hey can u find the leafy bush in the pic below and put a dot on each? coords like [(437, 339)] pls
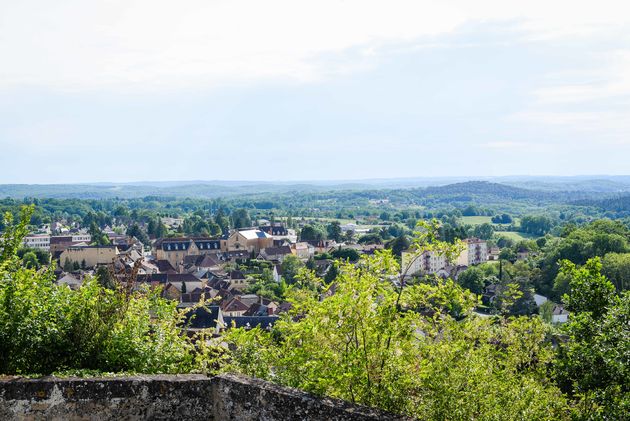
[(416, 350), (47, 328)]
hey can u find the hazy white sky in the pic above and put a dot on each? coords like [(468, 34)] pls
[(161, 90)]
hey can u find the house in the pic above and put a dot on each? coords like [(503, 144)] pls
[(303, 250), (323, 246), (275, 254), (559, 314), (280, 233), (522, 253), (493, 253), (207, 317), (73, 281), (174, 250), (172, 223), (276, 230), (90, 255), (205, 261), (475, 252), (540, 299), (236, 255), (252, 240), (237, 279), (234, 307)]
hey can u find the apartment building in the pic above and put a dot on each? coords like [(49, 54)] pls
[(475, 252)]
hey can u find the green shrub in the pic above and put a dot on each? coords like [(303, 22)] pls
[(47, 328)]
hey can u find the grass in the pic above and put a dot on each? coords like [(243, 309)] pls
[(478, 220), (513, 235)]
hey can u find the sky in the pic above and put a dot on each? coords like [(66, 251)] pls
[(131, 90)]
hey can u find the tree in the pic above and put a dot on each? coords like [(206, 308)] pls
[(290, 266), (241, 219), (135, 231), (616, 267), (399, 244), (472, 279), (67, 265), (29, 260), (483, 231), (310, 233), (373, 238), (105, 277), (357, 344), (334, 231), (346, 254), (546, 311), (332, 273), (593, 366), (536, 225)]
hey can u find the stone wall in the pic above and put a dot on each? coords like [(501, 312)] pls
[(165, 397)]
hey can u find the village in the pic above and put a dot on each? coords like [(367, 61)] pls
[(223, 270)]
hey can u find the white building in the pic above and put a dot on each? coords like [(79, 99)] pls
[(37, 241)]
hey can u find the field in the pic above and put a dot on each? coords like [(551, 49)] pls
[(478, 220), (513, 235)]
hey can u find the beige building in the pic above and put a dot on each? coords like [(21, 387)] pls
[(91, 255), (475, 252), (252, 240), (175, 250), (303, 250)]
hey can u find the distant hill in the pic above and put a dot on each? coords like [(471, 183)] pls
[(538, 189), (620, 204)]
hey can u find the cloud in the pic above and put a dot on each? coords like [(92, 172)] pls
[(140, 45)]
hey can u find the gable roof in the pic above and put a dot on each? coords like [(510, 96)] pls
[(203, 317), (203, 260), (165, 266), (235, 305), (276, 251)]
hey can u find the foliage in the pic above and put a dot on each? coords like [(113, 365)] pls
[(312, 233), (334, 231), (537, 225), (402, 348), (594, 364), (290, 267), (47, 328), (345, 254), (472, 279), (616, 267)]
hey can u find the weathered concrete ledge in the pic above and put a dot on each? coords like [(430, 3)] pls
[(168, 397)]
